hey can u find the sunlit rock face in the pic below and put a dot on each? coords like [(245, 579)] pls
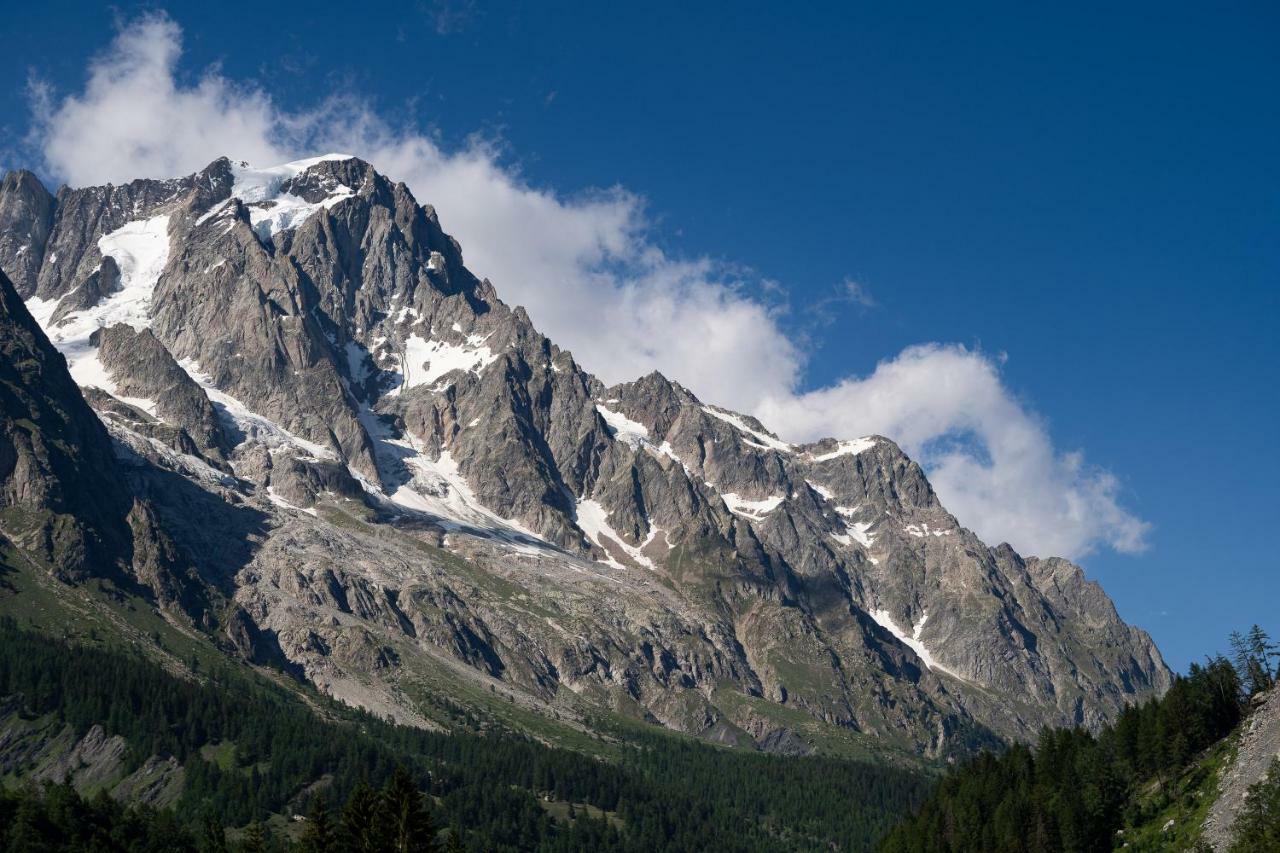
[(374, 463)]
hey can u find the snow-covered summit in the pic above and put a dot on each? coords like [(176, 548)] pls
[(272, 208), (257, 184)]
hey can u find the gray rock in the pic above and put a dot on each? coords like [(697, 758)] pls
[(1259, 746), (443, 483), (26, 220)]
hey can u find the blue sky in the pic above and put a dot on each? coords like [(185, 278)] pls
[(1087, 199)]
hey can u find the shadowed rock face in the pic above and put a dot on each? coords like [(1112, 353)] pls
[(58, 491), (447, 484), (63, 498)]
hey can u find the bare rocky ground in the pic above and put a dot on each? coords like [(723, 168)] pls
[(1259, 746)]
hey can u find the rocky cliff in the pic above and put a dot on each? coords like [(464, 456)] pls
[(384, 469)]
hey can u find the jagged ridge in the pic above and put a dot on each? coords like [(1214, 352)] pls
[(631, 545)]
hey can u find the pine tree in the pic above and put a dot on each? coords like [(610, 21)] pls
[(408, 824), (454, 844), (213, 839), (1257, 829), (360, 824), (255, 839), (321, 835), (1253, 654), (1264, 652)]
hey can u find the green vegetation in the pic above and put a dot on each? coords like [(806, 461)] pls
[(1258, 827), (1145, 782), (57, 818), (255, 754)]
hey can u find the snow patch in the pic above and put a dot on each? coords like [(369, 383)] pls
[(358, 366), (751, 509), (141, 250), (594, 521), (271, 210), (923, 530), (768, 441), (284, 504), (847, 448), (623, 428), (253, 426), (426, 361), (884, 620), (821, 490), (436, 489)]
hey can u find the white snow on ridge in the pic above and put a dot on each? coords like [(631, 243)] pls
[(426, 361), (436, 488), (856, 531), (821, 490), (751, 509), (284, 504), (768, 441), (594, 521), (847, 448), (923, 530), (141, 250), (884, 620), (254, 426), (624, 429), (286, 212), (253, 185), (272, 211)]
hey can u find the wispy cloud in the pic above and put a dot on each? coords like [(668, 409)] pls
[(449, 16), (592, 276)]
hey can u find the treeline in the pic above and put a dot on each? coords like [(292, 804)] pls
[(53, 818), (1072, 791), (251, 749)]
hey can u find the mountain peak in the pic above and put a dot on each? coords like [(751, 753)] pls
[(306, 340)]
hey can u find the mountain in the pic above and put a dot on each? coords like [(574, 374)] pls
[(322, 441)]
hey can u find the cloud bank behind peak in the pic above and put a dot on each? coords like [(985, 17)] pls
[(593, 279)]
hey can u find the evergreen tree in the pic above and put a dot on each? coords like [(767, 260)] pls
[(1070, 792), (255, 839), (403, 812), (360, 830), (454, 844), (1257, 829), (320, 836), (213, 838), (1252, 654)]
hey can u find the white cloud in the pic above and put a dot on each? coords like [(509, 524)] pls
[(592, 278), (990, 460)]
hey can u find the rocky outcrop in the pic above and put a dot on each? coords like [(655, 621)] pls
[(442, 483), (43, 750), (1259, 746), (63, 497), (60, 495), (26, 220), (142, 368)]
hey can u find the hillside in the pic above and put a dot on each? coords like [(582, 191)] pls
[(1188, 771), (126, 704)]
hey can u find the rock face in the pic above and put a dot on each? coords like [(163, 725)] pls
[(1259, 746), (46, 750), (395, 471), (26, 218), (63, 498)]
